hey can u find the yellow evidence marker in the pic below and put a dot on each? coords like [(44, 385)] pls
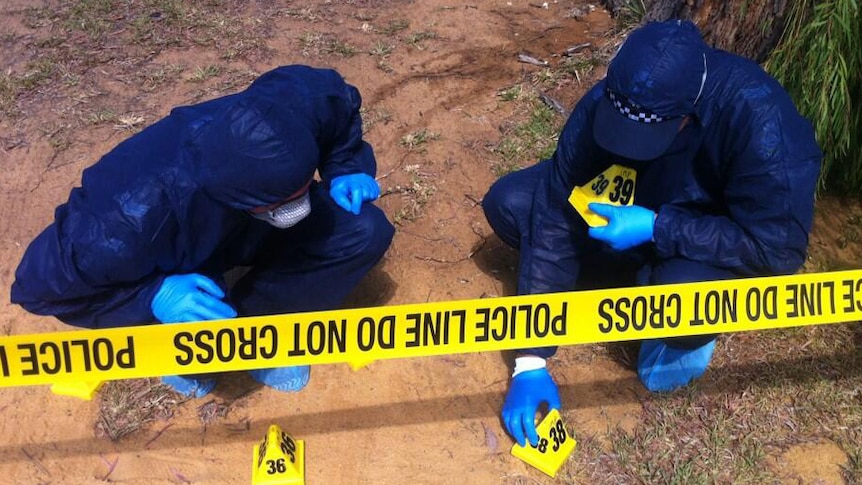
[(81, 389), (615, 186), (278, 459), (554, 446)]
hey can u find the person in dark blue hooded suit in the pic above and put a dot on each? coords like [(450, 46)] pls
[(726, 171), (160, 219)]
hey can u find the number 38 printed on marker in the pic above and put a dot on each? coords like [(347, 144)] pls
[(557, 434)]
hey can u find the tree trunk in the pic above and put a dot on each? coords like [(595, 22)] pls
[(750, 28)]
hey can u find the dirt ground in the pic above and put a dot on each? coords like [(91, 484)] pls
[(430, 73)]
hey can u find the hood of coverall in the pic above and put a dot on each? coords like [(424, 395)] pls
[(653, 82), (255, 153)]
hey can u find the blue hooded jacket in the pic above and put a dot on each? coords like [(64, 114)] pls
[(735, 190), (172, 198)]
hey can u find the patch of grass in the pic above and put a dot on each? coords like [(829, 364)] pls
[(138, 30), (852, 472), (49, 42), (235, 80), (155, 25), (165, 23), (37, 17), (306, 14), (310, 42), (766, 392), (340, 47), (582, 64), (73, 39), (851, 231), (212, 410), (416, 140), (128, 405), (682, 439), (416, 39), (630, 15), (314, 43), (511, 94), (202, 73), (90, 16), (101, 117), (415, 195), (70, 79), (546, 77), (530, 140), (39, 72), (381, 49), (58, 138), (155, 76), (394, 26), (384, 66), (242, 37), (371, 117), (8, 93), (364, 16)]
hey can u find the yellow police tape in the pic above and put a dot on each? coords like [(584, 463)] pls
[(358, 336)]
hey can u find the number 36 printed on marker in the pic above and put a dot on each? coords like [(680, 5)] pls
[(288, 447)]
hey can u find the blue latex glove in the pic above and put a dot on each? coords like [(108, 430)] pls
[(628, 226), (190, 298), (662, 368), (350, 191), (527, 392), (286, 379)]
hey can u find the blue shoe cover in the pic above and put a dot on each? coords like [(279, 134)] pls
[(287, 379), (663, 368), (190, 387)]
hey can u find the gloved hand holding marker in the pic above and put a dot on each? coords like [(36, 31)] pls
[(627, 227), (528, 391), (607, 205)]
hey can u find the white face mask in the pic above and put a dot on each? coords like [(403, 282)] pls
[(287, 214)]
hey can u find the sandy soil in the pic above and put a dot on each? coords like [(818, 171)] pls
[(420, 421)]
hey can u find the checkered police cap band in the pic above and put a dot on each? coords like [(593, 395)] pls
[(633, 111), (638, 113)]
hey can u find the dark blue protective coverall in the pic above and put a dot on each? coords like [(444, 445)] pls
[(173, 200), (733, 195)]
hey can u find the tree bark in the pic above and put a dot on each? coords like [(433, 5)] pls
[(750, 28)]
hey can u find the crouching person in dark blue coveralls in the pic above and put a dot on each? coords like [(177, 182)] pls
[(156, 223), (725, 169)]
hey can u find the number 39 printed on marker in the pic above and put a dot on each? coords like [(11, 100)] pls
[(622, 190)]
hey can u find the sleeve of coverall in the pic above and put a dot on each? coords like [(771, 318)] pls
[(90, 268), (549, 257), (773, 163), (349, 153)]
